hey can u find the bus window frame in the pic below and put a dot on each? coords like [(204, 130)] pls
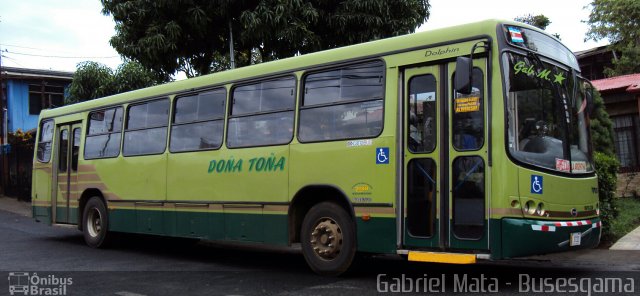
[(125, 122), (337, 66), (230, 103), (224, 117), (50, 141), (88, 128)]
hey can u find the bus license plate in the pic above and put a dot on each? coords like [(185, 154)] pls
[(575, 239)]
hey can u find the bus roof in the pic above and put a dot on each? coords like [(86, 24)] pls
[(347, 53)]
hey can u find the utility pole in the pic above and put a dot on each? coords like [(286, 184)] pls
[(231, 55), (3, 136)]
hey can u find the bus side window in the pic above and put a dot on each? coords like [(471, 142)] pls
[(103, 134), (44, 142), (346, 103), (262, 113), (198, 121), (146, 128)]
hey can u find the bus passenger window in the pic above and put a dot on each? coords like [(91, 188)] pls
[(146, 131), (345, 103), (262, 113), (468, 115), (44, 142), (103, 134), (198, 121)]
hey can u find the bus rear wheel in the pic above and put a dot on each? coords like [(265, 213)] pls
[(328, 239), (95, 222)]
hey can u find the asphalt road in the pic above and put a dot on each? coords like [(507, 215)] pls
[(56, 261)]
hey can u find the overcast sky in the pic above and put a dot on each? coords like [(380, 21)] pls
[(58, 34)]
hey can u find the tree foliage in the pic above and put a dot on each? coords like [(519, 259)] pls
[(91, 80), (617, 21), (94, 80), (193, 35), (607, 169), (605, 162), (540, 21), (601, 127)]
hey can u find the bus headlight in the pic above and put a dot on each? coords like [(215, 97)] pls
[(540, 209), (530, 207)]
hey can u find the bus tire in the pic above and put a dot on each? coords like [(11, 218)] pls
[(95, 223), (328, 239)]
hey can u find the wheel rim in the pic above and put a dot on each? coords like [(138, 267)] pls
[(326, 238), (94, 222)]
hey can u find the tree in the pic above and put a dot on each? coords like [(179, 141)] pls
[(606, 164), (131, 76), (539, 21), (91, 80), (601, 127), (94, 80), (617, 21), (193, 35)]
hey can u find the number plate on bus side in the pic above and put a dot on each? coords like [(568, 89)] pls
[(575, 239)]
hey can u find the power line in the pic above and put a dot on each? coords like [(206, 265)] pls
[(58, 57), (20, 46), (14, 60)]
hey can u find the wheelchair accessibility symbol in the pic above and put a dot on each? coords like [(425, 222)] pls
[(536, 184), (382, 155)]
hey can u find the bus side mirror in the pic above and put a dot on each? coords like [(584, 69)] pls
[(463, 80)]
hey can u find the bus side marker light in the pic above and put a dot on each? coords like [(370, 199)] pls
[(366, 217)]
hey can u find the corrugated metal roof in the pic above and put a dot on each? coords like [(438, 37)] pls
[(25, 73), (628, 83)]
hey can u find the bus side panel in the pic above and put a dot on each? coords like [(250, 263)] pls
[(41, 194), (245, 190), (377, 235), (365, 182)]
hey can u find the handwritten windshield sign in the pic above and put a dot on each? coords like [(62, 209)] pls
[(546, 74)]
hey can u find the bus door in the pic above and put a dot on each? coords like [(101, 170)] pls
[(66, 201), (445, 198)]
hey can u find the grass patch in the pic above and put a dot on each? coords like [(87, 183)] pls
[(628, 217)]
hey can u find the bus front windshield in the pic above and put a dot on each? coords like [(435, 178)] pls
[(548, 125)]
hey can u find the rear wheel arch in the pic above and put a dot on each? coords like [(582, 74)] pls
[(82, 202), (312, 195)]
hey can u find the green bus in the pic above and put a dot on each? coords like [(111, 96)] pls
[(453, 145)]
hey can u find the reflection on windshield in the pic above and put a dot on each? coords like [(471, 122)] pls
[(548, 126)]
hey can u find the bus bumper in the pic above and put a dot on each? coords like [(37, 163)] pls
[(524, 237)]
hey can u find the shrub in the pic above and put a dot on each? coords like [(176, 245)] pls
[(606, 168)]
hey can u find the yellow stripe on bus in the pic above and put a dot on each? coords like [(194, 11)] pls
[(442, 257)]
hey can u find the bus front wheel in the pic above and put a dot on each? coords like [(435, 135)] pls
[(95, 222), (328, 239)]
